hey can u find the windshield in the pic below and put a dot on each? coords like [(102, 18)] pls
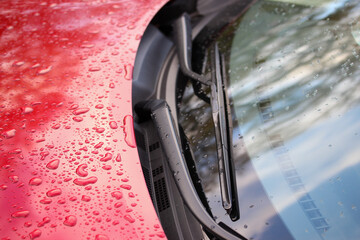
[(293, 76)]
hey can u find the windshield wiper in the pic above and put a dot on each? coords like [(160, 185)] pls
[(220, 113), (221, 116)]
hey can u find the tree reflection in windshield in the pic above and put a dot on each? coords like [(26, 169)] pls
[(293, 81)]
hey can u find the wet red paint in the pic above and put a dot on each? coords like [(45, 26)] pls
[(66, 68)]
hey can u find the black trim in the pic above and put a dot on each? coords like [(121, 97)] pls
[(162, 118)]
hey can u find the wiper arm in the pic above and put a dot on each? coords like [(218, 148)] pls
[(223, 132), (184, 48), (220, 113)]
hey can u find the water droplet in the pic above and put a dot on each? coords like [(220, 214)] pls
[(20, 63), (99, 145), (45, 201), (10, 133), (20, 214), (35, 181), (73, 107), (14, 178), (3, 187), (44, 154), (161, 235), (78, 119), (94, 69), (101, 237), (80, 111), (35, 234), (27, 110), (118, 204), (118, 195), (128, 71), (70, 221), (106, 167), (86, 181), (128, 218), (99, 130), (44, 221), (106, 158), (113, 125), (118, 158), (36, 65), (15, 151), (129, 131), (81, 170), (54, 192), (99, 106), (27, 224), (111, 85), (125, 186), (54, 164), (85, 198), (45, 70)]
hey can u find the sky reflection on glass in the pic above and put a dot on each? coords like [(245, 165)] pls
[(295, 90), (295, 95)]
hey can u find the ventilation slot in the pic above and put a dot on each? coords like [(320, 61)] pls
[(154, 146), (157, 171), (146, 173), (161, 194)]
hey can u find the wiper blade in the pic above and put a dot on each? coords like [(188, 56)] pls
[(220, 112), (223, 133)]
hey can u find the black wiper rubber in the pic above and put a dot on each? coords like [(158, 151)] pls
[(162, 118), (223, 134), (183, 44), (220, 112)]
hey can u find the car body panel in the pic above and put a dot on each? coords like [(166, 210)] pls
[(69, 164)]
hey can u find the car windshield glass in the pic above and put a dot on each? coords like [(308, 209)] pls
[(292, 72)]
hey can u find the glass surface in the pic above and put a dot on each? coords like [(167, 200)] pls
[(293, 73)]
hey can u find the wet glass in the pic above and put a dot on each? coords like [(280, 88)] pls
[(292, 72)]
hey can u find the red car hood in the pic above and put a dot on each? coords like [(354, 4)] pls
[(69, 166)]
